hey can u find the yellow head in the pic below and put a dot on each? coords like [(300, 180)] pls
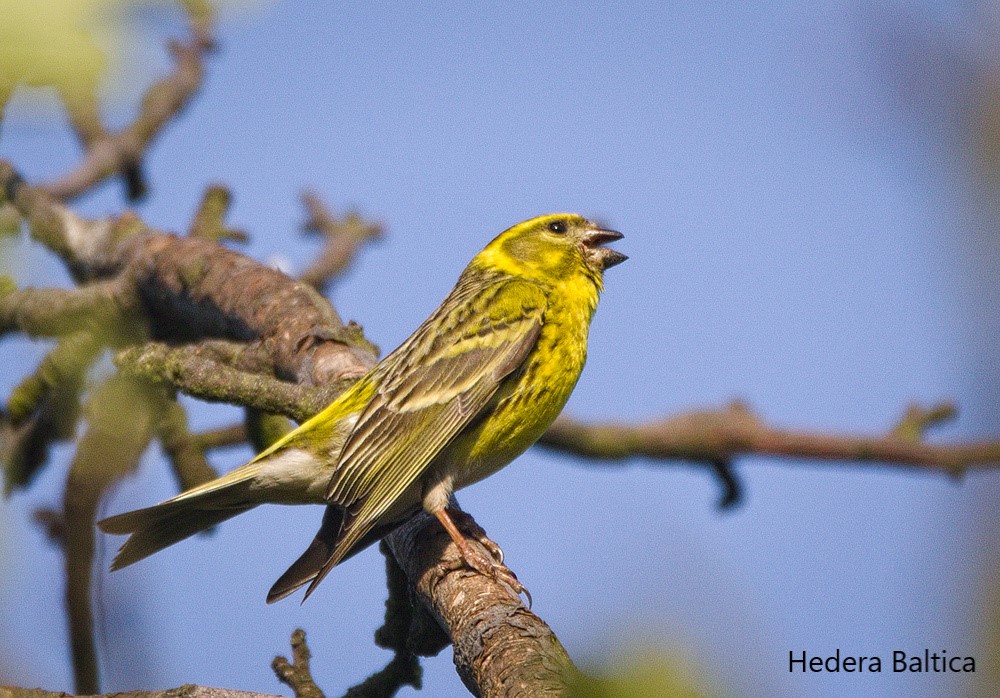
[(553, 248)]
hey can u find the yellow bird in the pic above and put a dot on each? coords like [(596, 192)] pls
[(473, 387)]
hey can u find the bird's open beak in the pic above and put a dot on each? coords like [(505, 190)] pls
[(605, 257)]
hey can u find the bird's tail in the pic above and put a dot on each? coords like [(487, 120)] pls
[(327, 551), (154, 528), (315, 559)]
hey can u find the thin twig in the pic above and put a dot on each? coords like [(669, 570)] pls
[(209, 221), (343, 238), (183, 450), (121, 152), (296, 674)]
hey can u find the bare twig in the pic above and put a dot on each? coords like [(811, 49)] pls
[(222, 437), (210, 219), (918, 420), (121, 152), (342, 239), (296, 674), (187, 458), (53, 523)]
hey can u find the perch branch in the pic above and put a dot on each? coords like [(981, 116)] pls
[(500, 647)]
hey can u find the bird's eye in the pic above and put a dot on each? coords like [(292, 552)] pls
[(558, 227)]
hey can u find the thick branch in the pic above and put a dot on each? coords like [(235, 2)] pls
[(48, 312), (186, 691), (193, 289), (195, 371), (501, 648)]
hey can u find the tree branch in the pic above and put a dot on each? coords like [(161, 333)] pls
[(121, 152), (501, 648), (106, 452), (342, 240), (296, 674), (209, 219), (186, 691), (733, 431)]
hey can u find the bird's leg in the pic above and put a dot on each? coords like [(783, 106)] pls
[(475, 559)]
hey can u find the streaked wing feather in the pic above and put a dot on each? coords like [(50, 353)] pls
[(438, 383)]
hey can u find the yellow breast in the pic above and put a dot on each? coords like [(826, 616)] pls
[(530, 399)]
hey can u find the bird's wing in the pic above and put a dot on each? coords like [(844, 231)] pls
[(436, 384)]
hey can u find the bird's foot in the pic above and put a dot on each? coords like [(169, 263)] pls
[(491, 566), (468, 526)]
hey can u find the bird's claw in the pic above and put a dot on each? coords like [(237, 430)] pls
[(473, 529), (491, 567), (471, 556)]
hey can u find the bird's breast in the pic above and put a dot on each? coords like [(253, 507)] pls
[(526, 404)]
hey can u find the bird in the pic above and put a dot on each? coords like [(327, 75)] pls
[(473, 387)]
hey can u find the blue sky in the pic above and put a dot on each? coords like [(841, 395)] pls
[(806, 232)]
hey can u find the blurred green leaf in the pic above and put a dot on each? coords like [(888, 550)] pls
[(647, 673), (52, 43)]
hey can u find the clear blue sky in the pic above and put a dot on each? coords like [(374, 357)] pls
[(806, 232)]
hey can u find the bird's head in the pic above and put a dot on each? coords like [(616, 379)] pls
[(555, 247)]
